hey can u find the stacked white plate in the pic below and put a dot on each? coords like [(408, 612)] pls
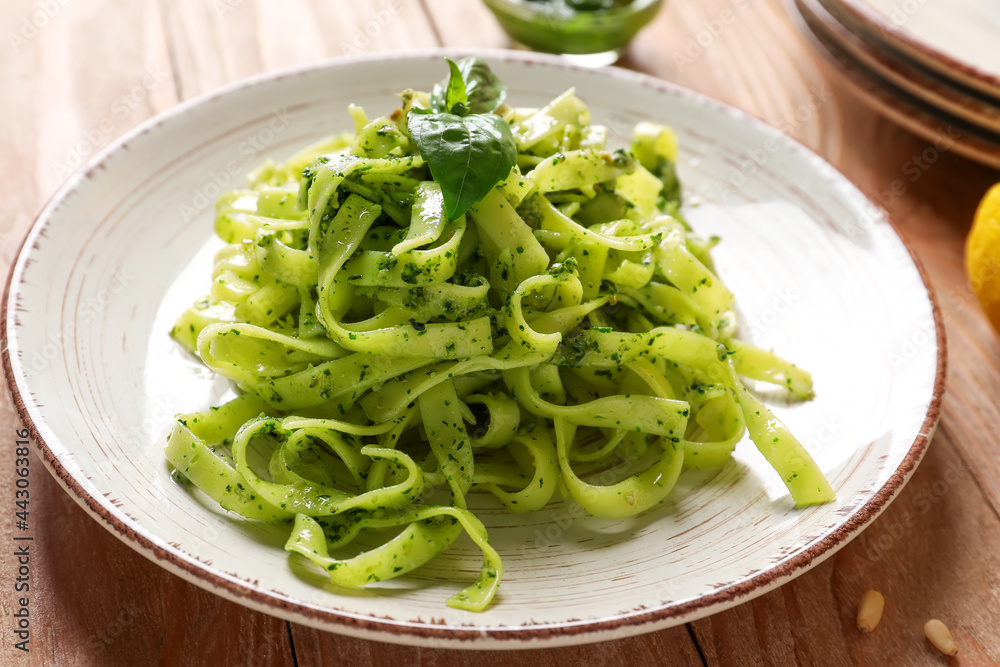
[(931, 65)]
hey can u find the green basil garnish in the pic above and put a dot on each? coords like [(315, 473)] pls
[(471, 83), (468, 148)]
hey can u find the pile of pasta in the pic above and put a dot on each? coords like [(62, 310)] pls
[(390, 361)]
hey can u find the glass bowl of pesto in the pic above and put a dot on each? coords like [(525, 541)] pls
[(589, 32)]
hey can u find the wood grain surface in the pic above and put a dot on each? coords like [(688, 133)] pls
[(78, 73)]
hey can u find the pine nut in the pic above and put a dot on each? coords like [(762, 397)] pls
[(939, 635), (870, 610)]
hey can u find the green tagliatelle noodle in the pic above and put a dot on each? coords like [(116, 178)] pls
[(564, 336)]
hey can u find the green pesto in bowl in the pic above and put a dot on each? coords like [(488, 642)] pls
[(574, 26)]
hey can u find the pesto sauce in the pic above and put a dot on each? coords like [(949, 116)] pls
[(574, 26)]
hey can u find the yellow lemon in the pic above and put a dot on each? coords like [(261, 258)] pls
[(982, 255)]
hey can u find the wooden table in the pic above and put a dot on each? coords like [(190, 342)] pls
[(77, 74)]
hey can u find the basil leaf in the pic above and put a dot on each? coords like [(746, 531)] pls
[(447, 94), (473, 84), (467, 155), (485, 91)]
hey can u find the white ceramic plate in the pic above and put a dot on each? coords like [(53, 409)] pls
[(954, 38), (901, 72), (927, 114), (819, 273)]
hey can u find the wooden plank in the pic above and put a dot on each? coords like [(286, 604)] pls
[(215, 43), (746, 54), (669, 647), (97, 602), (464, 24), (373, 26), (92, 600), (933, 554)]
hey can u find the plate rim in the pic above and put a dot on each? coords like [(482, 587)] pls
[(390, 630), (944, 63), (902, 72), (901, 107)]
